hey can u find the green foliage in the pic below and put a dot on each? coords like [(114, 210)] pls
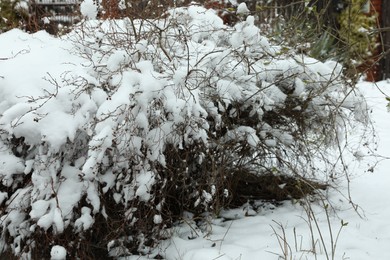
[(324, 47), (12, 14), (356, 33), (299, 25), (324, 29)]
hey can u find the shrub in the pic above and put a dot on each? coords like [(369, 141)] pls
[(169, 116), (325, 29), (356, 34), (307, 26), (13, 14), (355, 31)]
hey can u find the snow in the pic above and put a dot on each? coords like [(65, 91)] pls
[(85, 221), (58, 253), (256, 234), (242, 9), (157, 219), (69, 191), (50, 117), (9, 165), (52, 218), (89, 9), (22, 6)]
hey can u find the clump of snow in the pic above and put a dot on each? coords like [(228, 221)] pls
[(58, 253), (46, 20), (242, 9), (9, 166), (52, 219), (89, 9), (144, 182), (157, 219), (22, 6), (85, 221)]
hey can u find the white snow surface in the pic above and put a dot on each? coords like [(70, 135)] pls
[(32, 67)]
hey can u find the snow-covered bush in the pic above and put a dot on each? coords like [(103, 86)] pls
[(165, 117), (13, 14)]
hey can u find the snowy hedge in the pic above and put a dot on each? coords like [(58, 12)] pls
[(150, 119)]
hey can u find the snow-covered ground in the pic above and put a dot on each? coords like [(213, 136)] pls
[(270, 232)]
